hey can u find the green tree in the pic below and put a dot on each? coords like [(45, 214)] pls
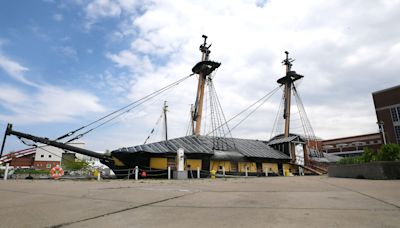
[(74, 165), (389, 152), (368, 155)]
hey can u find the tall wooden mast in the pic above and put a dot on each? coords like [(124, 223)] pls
[(204, 68), (287, 81)]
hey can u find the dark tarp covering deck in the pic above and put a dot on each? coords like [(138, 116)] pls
[(204, 145)]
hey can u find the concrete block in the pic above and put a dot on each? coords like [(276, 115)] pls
[(180, 175), (381, 170)]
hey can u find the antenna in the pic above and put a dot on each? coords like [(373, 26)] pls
[(204, 49), (288, 61)]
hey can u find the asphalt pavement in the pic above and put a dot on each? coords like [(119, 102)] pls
[(310, 201)]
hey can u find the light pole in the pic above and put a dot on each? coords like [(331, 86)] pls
[(382, 130)]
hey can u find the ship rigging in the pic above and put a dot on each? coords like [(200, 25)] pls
[(211, 149)]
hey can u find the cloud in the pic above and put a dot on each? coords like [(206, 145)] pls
[(58, 17), (132, 61), (46, 104), (102, 8), (15, 70), (67, 51), (41, 103), (99, 9), (342, 48)]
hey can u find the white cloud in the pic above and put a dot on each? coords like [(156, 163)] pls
[(41, 102), (58, 17), (67, 51), (134, 62), (11, 95), (102, 8), (342, 48), (46, 104), (15, 70)]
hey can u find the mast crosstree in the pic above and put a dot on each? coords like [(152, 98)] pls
[(287, 81), (203, 68)]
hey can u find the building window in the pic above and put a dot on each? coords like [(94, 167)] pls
[(397, 133), (42, 155), (49, 155), (395, 114), (48, 165)]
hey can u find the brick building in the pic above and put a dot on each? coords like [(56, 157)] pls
[(42, 157), (387, 107), (23, 158), (353, 145)]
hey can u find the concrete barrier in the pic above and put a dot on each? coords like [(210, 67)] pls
[(380, 170)]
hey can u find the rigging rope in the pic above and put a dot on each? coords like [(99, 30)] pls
[(152, 131), (277, 119), (246, 109), (307, 127), (263, 102), (135, 103)]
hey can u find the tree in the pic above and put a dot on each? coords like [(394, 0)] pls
[(389, 152), (75, 165)]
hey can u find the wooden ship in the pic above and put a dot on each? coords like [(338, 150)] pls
[(217, 150)]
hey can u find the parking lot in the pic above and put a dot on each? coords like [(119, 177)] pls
[(308, 201)]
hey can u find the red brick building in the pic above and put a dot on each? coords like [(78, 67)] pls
[(23, 158), (353, 145), (387, 107)]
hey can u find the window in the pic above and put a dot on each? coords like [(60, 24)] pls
[(395, 114), (398, 112), (42, 155), (397, 133), (48, 165), (49, 155)]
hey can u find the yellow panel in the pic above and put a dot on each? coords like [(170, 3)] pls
[(158, 163), (117, 162), (215, 165), (194, 164), (291, 168), (270, 167), (251, 167)]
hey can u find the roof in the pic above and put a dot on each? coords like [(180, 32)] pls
[(204, 145), (387, 89), (354, 138), (282, 139), (17, 154)]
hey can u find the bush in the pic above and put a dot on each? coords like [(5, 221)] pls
[(350, 160), (31, 171), (74, 165), (389, 152)]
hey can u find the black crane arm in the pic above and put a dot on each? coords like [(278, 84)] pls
[(10, 131)]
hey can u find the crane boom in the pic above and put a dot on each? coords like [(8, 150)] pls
[(10, 131)]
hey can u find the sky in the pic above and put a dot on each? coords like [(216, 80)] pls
[(64, 64)]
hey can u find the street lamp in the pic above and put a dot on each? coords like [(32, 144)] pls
[(382, 130)]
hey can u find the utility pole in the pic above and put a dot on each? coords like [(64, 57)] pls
[(382, 130), (203, 69), (287, 81), (165, 120)]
